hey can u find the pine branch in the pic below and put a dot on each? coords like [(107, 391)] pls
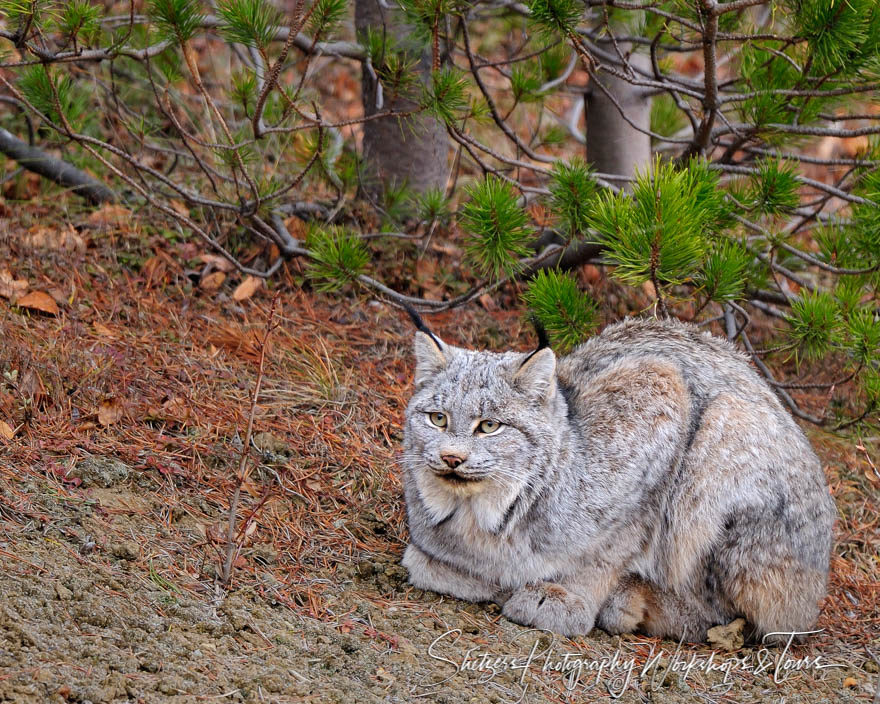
[(56, 170)]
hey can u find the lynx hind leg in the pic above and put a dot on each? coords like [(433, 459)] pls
[(432, 575), (638, 606), (773, 584), (751, 523)]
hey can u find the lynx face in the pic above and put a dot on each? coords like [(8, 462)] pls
[(478, 420)]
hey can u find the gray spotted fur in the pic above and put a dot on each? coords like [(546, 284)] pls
[(650, 481)]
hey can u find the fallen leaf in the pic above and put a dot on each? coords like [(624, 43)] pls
[(63, 239), (111, 216), (31, 386), (179, 207), (727, 637), (103, 330), (592, 274), (384, 676), (212, 281), (6, 430), (39, 300), (10, 287), (215, 261), (110, 411), (244, 343), (488, 302), (175, 409), (246, 288), (58, 296), (296, 227)]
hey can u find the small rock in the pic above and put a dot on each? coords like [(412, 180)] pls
[(729, 637), (125, 550), (149, 666), (100, 471), (63, 592)]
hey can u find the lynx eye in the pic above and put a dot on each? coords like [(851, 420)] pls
[(487, 427), (438, 419)]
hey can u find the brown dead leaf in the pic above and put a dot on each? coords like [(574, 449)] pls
[(216, 262), (212, 281), (6, 430), (855, 146), (426, 275), (10, 287), (55, 239), (111, 216), (296, 227), (179, 207), (246, 288), (244, 343), (591, 274), (488, 302), (154, 271), (175, 410), (31, 386), (103, 330), (110, 411), (39, 300)]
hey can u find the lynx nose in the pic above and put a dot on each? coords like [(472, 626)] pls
[(452, 461)]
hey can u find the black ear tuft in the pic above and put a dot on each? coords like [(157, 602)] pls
[(543, 340), (420, 324)]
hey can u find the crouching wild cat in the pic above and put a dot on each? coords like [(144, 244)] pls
[(650, 481)]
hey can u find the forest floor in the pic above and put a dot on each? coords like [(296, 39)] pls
[(124, 397)]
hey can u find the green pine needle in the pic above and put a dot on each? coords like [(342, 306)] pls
[(338, 257), (177, 20), (80, 19), (498, 226), (445, 97), (253, 23), (724, 273), (553, 17), (815, 321), (568, 314), (660, 231), (40, 87), (572, 192), (433, 206), (327, 17), (774, 189), (862, 333)]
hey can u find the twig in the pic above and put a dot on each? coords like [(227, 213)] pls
[(232, 545)]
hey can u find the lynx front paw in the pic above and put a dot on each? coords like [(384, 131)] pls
[(434, 576), (550, 606)]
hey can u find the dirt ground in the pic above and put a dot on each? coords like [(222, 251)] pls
[(127, 407)]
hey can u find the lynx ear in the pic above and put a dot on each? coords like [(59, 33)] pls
[(431, 358), (537, 374)]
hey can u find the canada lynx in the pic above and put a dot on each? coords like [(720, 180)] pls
[(649, 481)]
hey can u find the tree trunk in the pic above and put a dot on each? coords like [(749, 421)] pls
[(411, 151), (614, 146)]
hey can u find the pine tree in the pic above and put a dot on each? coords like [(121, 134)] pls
[(722, 205)]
